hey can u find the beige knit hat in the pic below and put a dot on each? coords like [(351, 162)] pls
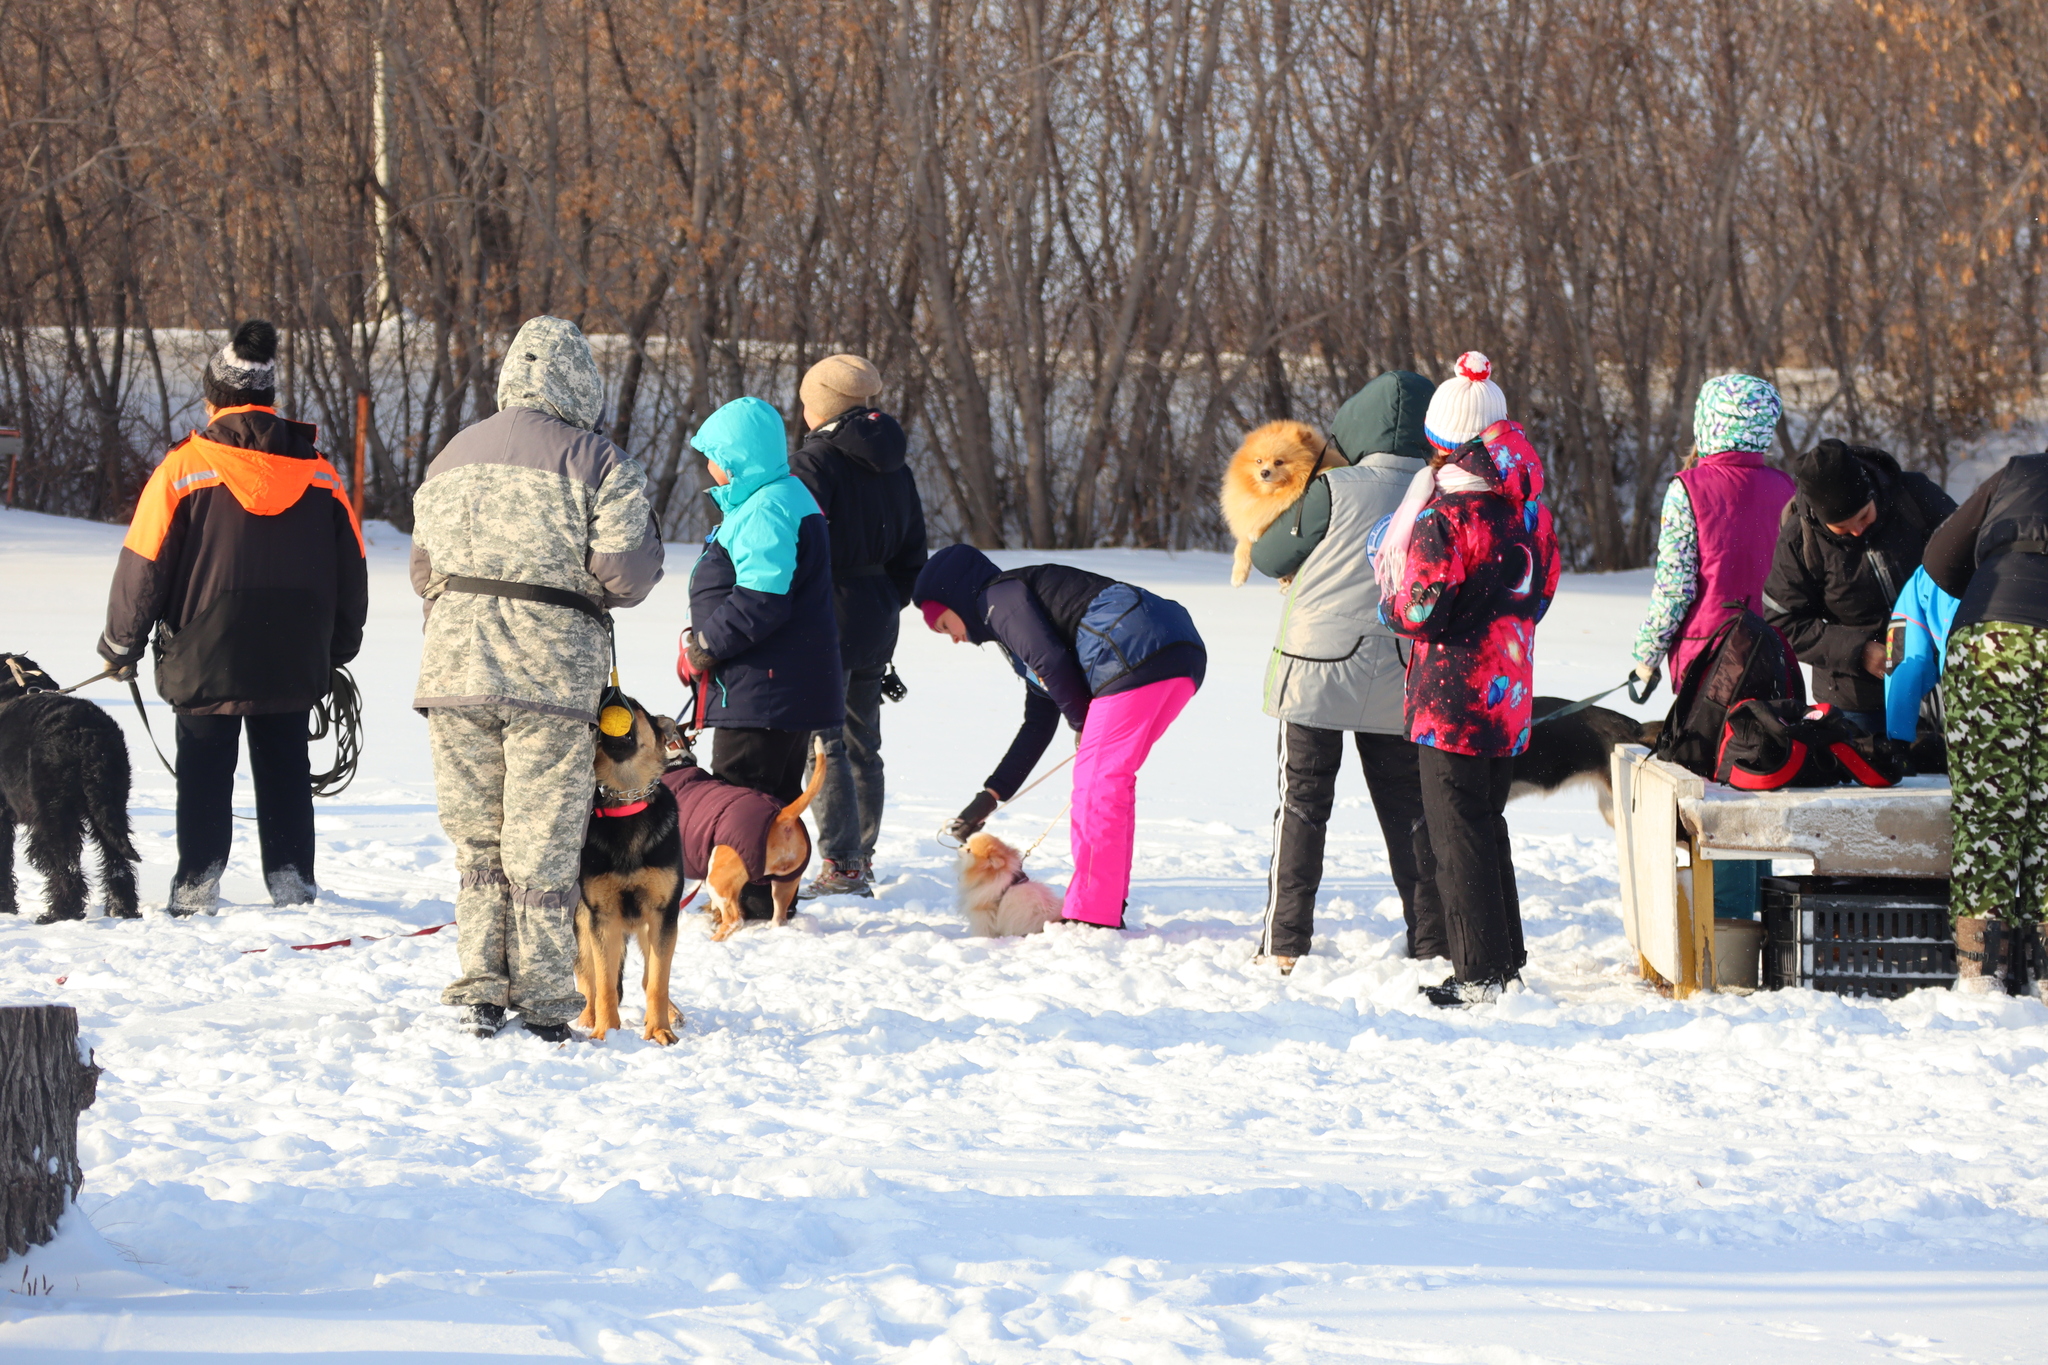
[(839, 382)]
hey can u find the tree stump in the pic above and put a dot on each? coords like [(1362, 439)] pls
[(43, 1086)]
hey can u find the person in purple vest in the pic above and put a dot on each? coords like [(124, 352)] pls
[(1719, 526)]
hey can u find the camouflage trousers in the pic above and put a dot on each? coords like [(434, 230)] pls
[(515, 790), (1995, 689)]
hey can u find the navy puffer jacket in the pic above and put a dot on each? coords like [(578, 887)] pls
[(1070, 634)]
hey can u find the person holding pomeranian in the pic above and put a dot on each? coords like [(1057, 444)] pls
[(1468, 566), (1334, 667), (1119, 663)]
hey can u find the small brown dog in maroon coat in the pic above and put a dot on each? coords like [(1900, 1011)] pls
[(735, 835)]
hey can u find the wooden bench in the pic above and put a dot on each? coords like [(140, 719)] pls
[(1671, 826)]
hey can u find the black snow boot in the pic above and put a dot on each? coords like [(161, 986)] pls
[(549, 1033), (1452, 993), (484, 1020)]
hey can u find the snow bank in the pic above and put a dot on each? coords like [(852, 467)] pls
[(882, 1140)]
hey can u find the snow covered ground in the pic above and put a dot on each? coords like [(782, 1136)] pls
[(881, 1140)]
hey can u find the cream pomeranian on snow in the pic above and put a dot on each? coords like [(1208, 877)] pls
[(997, 897), (1266, 476)]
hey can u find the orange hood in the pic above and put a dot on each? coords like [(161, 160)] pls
[(263, 484)]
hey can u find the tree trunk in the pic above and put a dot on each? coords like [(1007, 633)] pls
[(43, 1086)]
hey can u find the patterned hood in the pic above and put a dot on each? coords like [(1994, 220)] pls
[(1735, 412), (549, 367)]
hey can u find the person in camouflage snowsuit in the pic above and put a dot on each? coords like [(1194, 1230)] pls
[(529, 504), (1995, 692), (1992, 556)]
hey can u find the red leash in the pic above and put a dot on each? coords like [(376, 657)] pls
[(345, 942), (417, 933)]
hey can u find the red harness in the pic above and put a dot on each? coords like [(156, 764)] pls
[(614, 812)]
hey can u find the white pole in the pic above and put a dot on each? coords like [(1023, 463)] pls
[(380, 117)]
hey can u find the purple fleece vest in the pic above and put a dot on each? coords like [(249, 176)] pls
[(1736, 502)]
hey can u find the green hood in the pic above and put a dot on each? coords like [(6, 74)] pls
[(1385, 416)]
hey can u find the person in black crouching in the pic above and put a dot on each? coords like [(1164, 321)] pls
[(853, 463)]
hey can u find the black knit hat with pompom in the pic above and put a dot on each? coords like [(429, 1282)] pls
[(244, 372)]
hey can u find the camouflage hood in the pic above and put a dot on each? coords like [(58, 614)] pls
[(549, 367)]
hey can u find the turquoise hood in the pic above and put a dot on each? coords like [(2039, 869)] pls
[(764, 502)]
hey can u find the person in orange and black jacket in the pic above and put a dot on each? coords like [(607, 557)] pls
[(246, 558)]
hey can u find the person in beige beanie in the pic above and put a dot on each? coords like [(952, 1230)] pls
[(854, 461), (834, 384)]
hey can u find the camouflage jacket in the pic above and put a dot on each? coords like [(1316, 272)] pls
[(525, 497)]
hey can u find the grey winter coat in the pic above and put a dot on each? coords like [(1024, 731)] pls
[(1335, 667), (526, 497)]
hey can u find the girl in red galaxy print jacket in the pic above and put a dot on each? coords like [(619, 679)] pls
[(1481, 569)]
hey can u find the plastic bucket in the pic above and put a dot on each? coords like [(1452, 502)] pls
[(1738, 949)]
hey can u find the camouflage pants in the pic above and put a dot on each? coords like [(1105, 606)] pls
[(515, 789), (1996, 692)]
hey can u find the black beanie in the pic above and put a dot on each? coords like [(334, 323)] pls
[(1834, 481), (244, 372)]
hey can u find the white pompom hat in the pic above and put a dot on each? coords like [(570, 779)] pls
[(1464, 405)]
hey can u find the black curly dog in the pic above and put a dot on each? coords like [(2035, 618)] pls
[(63, 770)]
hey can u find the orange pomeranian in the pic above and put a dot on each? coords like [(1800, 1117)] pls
[(1267, 476), (995, 895)]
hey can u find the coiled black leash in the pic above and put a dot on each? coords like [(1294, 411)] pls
[(339, 712)]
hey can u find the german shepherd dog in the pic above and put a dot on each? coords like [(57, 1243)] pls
[(63, 773), (632, 877)]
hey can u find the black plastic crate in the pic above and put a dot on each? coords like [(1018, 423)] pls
[(1879, 936)]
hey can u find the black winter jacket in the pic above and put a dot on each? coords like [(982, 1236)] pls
[(1993, 553), (245, 548), (1831, 595), (854, 466)]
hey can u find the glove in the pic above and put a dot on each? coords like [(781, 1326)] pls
[(122, 672), (693, 661), (975, 816), (892, 686)]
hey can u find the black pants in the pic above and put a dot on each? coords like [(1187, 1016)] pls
[(1467, 907), (1309, 760), (207, 750), (769, 761)]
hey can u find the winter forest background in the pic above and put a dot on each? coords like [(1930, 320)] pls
[(1088, 242)]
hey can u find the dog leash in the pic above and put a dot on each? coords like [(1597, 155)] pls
[(134, 690), (943, 829), (345, 942), (1583, 703), (1048, 830), (1040, 778)]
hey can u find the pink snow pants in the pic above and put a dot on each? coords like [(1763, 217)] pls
[(1121, 730)]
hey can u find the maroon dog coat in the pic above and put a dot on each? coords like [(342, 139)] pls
[(710, 812)]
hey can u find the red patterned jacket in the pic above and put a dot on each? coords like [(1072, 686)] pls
[(1481, 570)]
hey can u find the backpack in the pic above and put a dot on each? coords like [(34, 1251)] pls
[(1745, 660), (1771, 744)]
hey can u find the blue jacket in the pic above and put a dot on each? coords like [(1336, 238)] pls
[(1070, 635), (761, 593), (1926, 613)]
